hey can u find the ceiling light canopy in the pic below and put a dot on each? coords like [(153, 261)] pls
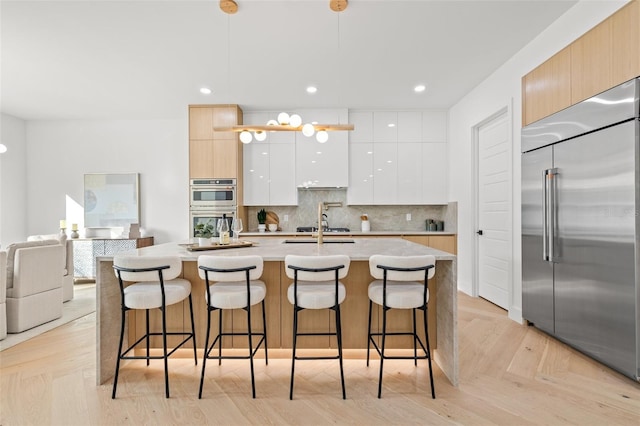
[(230, 6), (285, 123)]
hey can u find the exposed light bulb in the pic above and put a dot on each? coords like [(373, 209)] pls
[(295, 120), (283, 118), (308, 130), (272, 122), (322, 136), (245, 137), (260, 135)]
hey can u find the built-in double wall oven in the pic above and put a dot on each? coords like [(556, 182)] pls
[(210, 201)]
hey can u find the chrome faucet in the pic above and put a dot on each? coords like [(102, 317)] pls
[(320, 228)]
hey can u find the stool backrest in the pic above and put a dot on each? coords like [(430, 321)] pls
[(230, 262), (317, 262), (401, 262), (141, 262)]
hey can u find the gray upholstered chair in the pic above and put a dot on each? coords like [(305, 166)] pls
[(67, 261), (316, 285), (232, 282), (401, 282), (155, 284)]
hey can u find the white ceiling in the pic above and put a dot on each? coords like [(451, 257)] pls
[(147, 59)]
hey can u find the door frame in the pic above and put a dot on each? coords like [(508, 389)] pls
[(506, 110)]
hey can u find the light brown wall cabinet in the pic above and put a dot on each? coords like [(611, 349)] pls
[(214, 154), (605, 56)]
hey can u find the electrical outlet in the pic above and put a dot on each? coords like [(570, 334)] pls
[(408, 217), (286, 218)]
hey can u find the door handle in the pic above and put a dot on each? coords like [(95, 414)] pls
[(479, 232)]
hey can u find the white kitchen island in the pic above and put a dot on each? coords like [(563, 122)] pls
[(442, 319)]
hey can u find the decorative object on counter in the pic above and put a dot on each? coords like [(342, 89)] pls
[(439, 225), (285, 123), (236, 228), (204, 231), (273, 227), (272, 218), (134, 230), (63, 226), (223, 231), (431, 225), (217, 246), (365, 225), (262, 219), (74, 230)]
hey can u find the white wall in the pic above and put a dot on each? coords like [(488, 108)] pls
[(61, 152), (13, 181), (501, 89)]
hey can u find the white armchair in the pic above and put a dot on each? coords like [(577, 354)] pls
[(3, 294), (33, 284), (67, 261)]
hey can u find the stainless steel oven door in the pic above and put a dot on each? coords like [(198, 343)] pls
[(212, 216), (203, 196)]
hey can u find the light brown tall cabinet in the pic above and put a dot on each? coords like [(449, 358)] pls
[(603, 57), (215, 154)]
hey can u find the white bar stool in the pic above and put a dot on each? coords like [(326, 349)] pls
[(402, 282), (316, 285), (236, 287), (156, 286)]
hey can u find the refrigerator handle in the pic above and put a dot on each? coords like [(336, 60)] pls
[(545, 213), (551, 211)]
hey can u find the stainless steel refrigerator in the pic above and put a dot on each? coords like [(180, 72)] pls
[(581, 226)]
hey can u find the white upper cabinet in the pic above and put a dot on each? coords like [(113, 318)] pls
[(362, 127), (405, 153), (360, 190), (435, 172), (282, 184), (269, 175), (385, 173), (255, 171), (409, 126), (410, 168), (323, 165), (385, 126)]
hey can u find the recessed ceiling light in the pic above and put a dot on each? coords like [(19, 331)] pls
[(312, 89), (420, 88), (205, 90), (391, 125)]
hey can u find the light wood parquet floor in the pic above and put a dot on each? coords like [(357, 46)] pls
[(511, 374)]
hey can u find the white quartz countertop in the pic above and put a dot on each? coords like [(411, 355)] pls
[(274, 249), (354, 233)]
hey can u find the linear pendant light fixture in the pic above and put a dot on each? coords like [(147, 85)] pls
[(285, 123)]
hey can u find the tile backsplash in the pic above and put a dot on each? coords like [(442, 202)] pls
[(382, 218)]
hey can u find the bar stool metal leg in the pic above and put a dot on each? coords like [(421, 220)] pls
[(339, 336), (293, 358), (426, 336)]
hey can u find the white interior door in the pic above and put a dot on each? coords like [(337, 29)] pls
[(494, 211)]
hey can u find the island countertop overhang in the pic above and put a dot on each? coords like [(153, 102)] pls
[(274, 249)]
